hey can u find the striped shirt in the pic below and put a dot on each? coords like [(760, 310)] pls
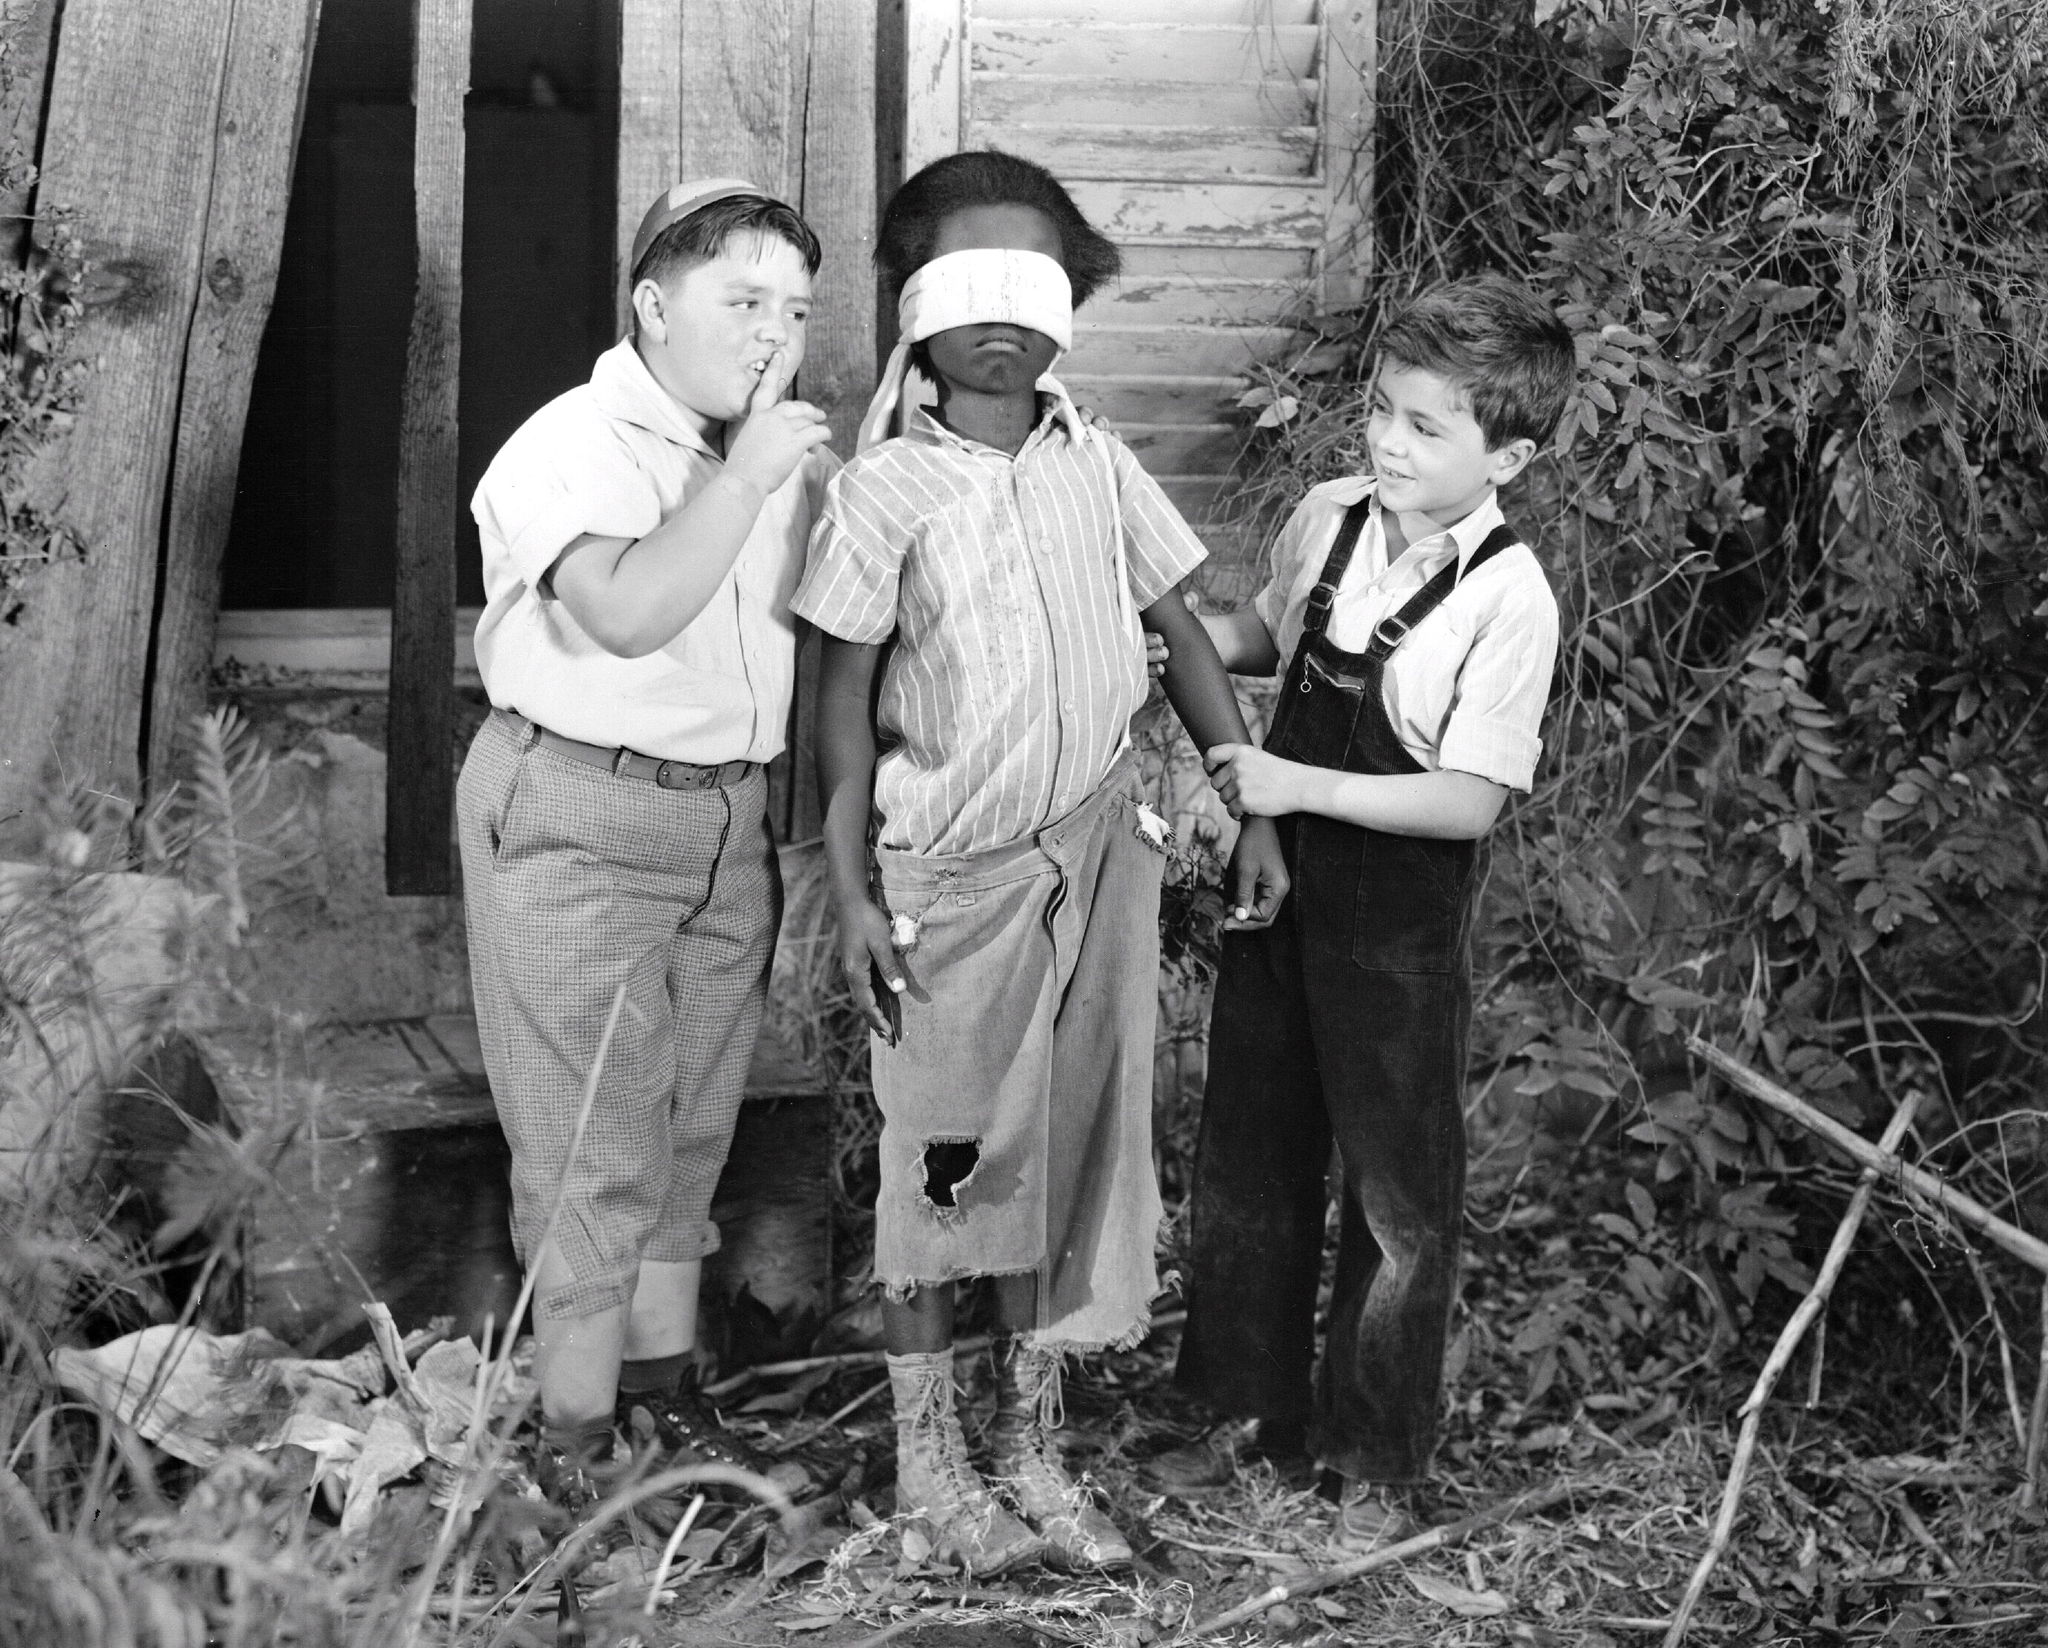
[(1466, 690), (1017, 664)]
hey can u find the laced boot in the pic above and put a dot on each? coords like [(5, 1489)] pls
[(1024, 1461), (934, 1481)]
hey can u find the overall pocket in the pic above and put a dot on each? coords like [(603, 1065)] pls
[(1413, 904)]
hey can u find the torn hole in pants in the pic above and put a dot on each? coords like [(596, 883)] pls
[(946, 1167)]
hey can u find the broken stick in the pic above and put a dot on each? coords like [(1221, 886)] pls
[(1918, 1181), (1781, 1354), (1343, 1573)]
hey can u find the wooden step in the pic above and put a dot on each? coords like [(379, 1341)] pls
[(1212, 214), (1132, 51), (1242, 12), (1199, 498), (383, 1167), (1081, 100), (1272, 154), (1204, 351)]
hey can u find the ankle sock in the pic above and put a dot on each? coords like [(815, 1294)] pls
[(584, 1440), (654, 1375)]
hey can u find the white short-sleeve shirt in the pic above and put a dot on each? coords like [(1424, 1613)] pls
[(615, 457), (1466, 689)]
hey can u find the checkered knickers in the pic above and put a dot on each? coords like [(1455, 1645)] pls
[(575, 881)]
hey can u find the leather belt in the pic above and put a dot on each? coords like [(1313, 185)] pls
[(624, 763)]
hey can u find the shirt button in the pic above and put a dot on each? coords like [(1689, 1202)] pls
[(1067, 704)]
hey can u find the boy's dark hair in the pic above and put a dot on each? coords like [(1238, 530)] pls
[(1510, 355), (988, 177), (707, 231)]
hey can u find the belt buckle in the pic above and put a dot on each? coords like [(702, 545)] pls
[(663, 779)]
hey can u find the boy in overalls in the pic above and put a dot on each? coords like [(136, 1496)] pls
[(1420, 634)]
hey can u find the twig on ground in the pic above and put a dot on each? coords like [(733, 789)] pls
[(1322, 1579), (2011, 1380), (869, 1358), (831, 1419), (1781, 1353), (2037, 1421), (1920, 1531), (1918, 1181)]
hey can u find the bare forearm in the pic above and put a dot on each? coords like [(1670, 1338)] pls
[(634, 596), (1450, 806), (846, 764), (1242, 641), (1196, 684)]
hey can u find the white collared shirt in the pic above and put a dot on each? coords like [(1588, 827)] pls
[(1466, 689), (615, 458)]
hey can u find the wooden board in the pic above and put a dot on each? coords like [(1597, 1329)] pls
[(1079, 100), (1167, 399), (254, 143), (1351, 62), (1191, 300), (420, 798), (650, 115), (1279, 265), (1130, 52), (73, 668), (1185, 448), (935, 87), (839, 202), (743, 67), (1204, 214), (1205, 351), (1259, 12), (1282, 153)]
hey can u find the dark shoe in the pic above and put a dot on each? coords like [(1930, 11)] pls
[(573, 1486), (1210, 1462), (1377, 1513), (689, 1432)]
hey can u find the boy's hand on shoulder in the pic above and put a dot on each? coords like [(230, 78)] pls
[(874, 971), (1257, 876), (1252, 782), (776, 434)]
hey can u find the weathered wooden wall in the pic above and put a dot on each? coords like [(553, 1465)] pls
[(166, 136)]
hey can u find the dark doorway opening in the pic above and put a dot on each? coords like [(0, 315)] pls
[(315, 505)]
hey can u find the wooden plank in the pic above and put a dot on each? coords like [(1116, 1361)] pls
[(332, 641), (1199, 498), (1350, 65), (935, 87), (1278, 265), (1182, 152), (1158, 399), (1279, 12), (135, 171), (1053, 100), (650, 115), (1204, 351), (742, 69), (1212, 213), (839, 201), (262, 100), (420, 795), (28, 28), (1192, 300), (1144, 51), (1185, 448)]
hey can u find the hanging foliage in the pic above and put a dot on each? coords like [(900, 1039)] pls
[(1796, 764)]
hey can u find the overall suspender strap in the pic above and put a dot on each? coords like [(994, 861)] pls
[(1389, 633), (1317, 614)]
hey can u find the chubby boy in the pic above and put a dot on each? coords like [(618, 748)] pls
[(642, 535), (1418, 633)]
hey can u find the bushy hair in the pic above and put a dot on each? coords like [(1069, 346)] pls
[(1509, 355), (710, 229), (987, 177)]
